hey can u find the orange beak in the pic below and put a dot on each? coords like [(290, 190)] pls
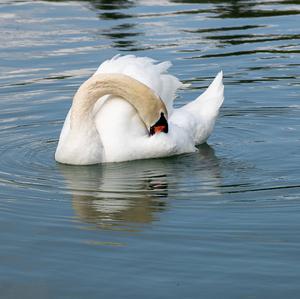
[(158, 129)]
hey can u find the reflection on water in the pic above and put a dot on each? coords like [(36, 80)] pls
[(127, 192), (133, 192)]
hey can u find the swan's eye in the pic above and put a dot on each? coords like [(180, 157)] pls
[(160, 126)]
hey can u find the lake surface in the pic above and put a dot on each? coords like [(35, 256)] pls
[(220, 223)]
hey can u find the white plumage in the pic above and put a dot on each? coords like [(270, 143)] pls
[(115, 131)]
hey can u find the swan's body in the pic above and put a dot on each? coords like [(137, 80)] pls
[(116, 128)]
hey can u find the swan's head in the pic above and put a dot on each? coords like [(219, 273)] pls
[(148, 105), (160, 126)]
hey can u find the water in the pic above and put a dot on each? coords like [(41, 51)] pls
[(220, 223)]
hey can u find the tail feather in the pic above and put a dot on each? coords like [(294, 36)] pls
[(208, 104), (204, 110)]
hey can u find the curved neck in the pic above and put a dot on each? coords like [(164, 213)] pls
[(142, 98)]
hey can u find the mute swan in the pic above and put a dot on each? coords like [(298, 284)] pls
[(125, 112)]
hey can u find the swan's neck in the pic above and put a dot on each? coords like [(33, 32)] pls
[(141, 97)]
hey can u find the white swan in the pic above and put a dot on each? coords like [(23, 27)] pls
[(125, 112)]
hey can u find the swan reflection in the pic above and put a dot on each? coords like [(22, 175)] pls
[(115, 195)]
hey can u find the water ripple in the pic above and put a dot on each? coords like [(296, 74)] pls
[(225, 215)]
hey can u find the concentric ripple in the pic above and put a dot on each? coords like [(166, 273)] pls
[(27, 157)]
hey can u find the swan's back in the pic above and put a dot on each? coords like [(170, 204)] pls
[(146, 71)]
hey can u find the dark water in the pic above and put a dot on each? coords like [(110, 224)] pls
[(220, 223)]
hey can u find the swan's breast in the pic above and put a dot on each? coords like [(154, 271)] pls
[(119, 127)]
